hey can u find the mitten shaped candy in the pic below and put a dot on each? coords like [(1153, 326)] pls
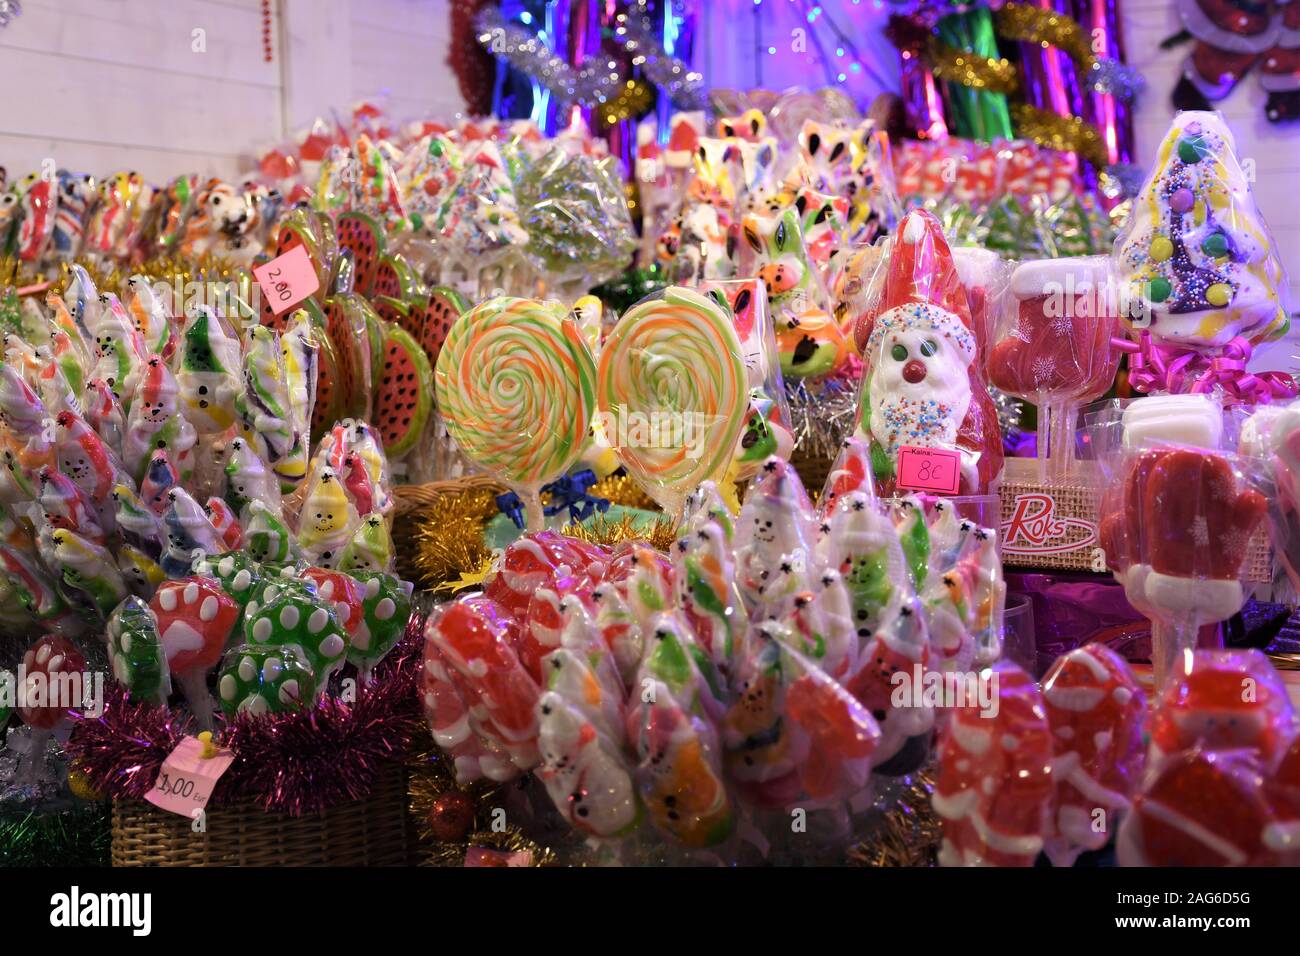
[(474, 641), (995, 777), (136, 653), (265, 679), (1200, 808), (1096, 710)]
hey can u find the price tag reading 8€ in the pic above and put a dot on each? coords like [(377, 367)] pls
[(187, 777), (288, 279), (937, 470)]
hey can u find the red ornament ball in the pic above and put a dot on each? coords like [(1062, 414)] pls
[(451, 816)]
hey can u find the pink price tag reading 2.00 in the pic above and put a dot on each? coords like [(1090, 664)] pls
[(187, 777), (936, 470), (288, 279)]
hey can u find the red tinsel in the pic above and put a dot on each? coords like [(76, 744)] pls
[(295, 763), (474, 67)]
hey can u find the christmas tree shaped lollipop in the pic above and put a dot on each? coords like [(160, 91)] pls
[(1196, 254)]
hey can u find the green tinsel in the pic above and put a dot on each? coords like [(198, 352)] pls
[(76, 836), (631, 287)]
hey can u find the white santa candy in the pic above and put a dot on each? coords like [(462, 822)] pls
[(922, 385)]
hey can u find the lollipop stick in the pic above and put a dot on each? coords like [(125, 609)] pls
[(194, 684), (1169, 639), (1061, 428), (31, 766), (535, 518), (1043, 445)]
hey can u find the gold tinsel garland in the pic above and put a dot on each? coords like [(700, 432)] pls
[(112, 276), (970, 69), (634, 98), (1066, 133), (911, 834), (1016, 21), (602, 530)]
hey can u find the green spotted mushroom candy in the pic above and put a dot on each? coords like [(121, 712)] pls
[(294, 613), (236, 571), (136, 653), (386, 604), (265, 679)]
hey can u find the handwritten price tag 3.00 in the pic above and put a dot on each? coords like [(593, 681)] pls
[(186, 780), (288, 279), (936, 470)]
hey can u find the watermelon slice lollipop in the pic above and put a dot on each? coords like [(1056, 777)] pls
[(394, 278), (345, 387), (444, 307), (364, 238), (404, 397), (396, 312)]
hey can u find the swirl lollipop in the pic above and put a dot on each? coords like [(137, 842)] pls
[(673, 394), (516, 384)]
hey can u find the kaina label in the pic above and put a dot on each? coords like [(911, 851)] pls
[(1034, 528), (936, 470)]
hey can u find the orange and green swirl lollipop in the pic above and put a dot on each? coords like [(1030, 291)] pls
[(672, 393), (516, 384)]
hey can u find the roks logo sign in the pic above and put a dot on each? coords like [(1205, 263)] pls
[(1034, 528)]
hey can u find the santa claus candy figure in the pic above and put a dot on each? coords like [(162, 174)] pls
[(1202, 808), (1095, 709), (922, 386), (995, 774), (1224, 700)]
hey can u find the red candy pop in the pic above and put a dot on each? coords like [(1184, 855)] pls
[(195, 620), (53, 684), (1095, 708), (995, 777)]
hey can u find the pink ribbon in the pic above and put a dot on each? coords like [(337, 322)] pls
[(1154, 367)]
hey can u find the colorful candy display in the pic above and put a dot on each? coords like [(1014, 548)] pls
[(516, 384), (672, 392)]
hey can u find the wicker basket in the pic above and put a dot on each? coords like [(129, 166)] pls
[(376, 831), (410, 500), (1074, 503)]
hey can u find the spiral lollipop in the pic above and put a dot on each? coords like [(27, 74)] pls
[(672, 393), (516, 384)]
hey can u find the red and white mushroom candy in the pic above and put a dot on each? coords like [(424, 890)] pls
[(54, 682)]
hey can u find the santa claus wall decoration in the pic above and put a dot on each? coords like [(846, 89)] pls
[(922, 386), (1233, 38)]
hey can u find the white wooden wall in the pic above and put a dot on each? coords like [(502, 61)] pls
[(104, 85), (1275, 149)]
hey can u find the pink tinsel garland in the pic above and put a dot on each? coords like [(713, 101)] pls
[(295, 763)]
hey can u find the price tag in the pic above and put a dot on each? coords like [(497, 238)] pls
[(186, 780), (288, 279), (929, 469)]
